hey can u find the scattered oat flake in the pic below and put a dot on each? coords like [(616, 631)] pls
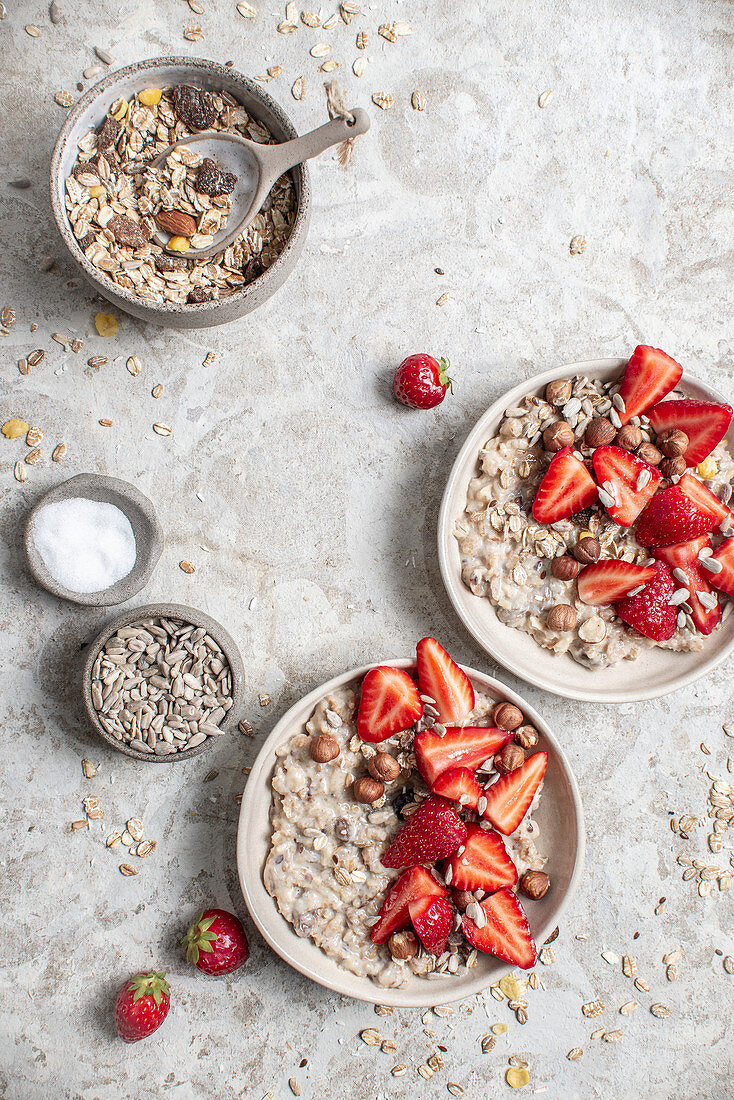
[(610, 957), (547, 956), (133, 366), (14, 429), (33, 437), (321, 49), (544, 98), (418, 101), (58, 452), (642, 985), (186, 566), (629, 966), (578, 245), (81, 824), (488, 1042), (106, 324), (612, 1036), (444, 298), (88, 769), (113, 839), (162, 429), (106, 422), (705, 749), (294, 1086), (628, 1007), (330, 23), (127, 869), (660, 1010), (193, 33), (383, 100), (387, 31), (64, 99), (32, 30), (454, 1089), (19, 471), (399, 1071), (145, 848), (370, 1036), (209, 358), (593, 1008), (728, 964), (359, 66), (298, 90), (574, 1054), (247, 11), (23, 366)]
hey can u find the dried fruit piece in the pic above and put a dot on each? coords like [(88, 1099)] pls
[(149, 97), (108, 133), (199, 294), (186, 566), (179, 244), (14, 429), (106, 324), (126, 231), (517, 1076), (211, 180), (194, 107)]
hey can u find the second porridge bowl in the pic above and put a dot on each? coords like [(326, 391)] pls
[(558, 819)]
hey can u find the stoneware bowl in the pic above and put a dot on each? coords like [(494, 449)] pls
[(143, 520), (169, 611), (562, 839), (654, 673), (90, 111)]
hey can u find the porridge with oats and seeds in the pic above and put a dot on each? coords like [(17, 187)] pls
[(323, 868), (527, 569)]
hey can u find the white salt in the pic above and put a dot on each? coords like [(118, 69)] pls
[(86, 545)]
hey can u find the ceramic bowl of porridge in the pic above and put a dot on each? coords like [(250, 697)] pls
[(308, 848), (499, 564), (105, 210)]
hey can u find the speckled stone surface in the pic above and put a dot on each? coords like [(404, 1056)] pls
[(307, 501)]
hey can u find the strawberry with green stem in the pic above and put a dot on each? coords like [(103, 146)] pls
[(216, 942), (142, 1005)]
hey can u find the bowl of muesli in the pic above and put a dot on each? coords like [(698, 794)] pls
[(407, 839), (110, 204), (584, 529)]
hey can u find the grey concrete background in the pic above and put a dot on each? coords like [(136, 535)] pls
[(316, 495)]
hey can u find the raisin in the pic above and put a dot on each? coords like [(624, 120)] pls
[(126, 231), (194, 107), (211, 180), (86, 241), (198, 294), (108, 133), (167, 263), (252, 269), (401, 798)]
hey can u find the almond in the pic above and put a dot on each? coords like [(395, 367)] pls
[(176, 222)]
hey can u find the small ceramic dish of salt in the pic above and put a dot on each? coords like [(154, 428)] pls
[(93, 540)]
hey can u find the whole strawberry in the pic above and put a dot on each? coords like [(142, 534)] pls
[(421, 381), (216, 943), (142, 1006)]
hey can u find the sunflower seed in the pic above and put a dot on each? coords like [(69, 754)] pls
[(711, 564), (660, 1010)]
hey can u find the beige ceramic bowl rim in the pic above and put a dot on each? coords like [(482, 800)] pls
[(169, 611), (96, 92), (278, 932), (491, 639)]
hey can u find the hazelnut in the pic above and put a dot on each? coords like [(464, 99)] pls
[(629, 437), (507, 716), (323, 748), (383, 766), (565, 568), (559, 392), (368, 790), (462, 898), (509, 758), (673, 467), (599, 432), (587, 549), (535, 884), (403, 945), (526, 737), (672, 443), (649, 453), (561, 617), (557, 436)]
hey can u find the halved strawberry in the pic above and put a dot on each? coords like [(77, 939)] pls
[(390, 702), (704, 422), (684, 557), (482, 864), (505, 933), (680, 513), (610, 579), (724, 557), (628, 480), (441, 678), (432, 919), (650, 611), (649, 376), (460, 747), (433, 832), (567, 487), (509, 797), (413, 884), (459, 785)]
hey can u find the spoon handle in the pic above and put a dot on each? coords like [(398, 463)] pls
[(284, 156)]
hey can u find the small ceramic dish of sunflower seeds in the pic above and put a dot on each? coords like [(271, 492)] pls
[(162, 682)]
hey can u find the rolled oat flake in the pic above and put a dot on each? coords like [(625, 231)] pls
[(86, 545)]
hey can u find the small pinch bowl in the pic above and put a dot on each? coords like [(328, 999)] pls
[(143, 520), (562, 839), (655, 672), (169, 611), (163, 72)]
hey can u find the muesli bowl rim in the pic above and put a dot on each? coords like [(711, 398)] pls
[(657, 671), (204, 310), (253, 844)]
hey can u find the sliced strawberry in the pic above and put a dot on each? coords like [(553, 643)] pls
[(610, 579), (509, 797), (390, 702), (482, 863), (628, 480), (680, 513), (433, 832), (460, 747), (459, 785), (724, 556), (441, 678), (567, 487), (649, 376), (704, 422), (413, 884), (432, 919), (505, 933), (684, 557), (650, 611)]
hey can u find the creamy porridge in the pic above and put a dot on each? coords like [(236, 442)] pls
[(507, 557), (323, 868)]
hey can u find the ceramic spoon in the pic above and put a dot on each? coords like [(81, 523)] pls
[(257, 167)]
